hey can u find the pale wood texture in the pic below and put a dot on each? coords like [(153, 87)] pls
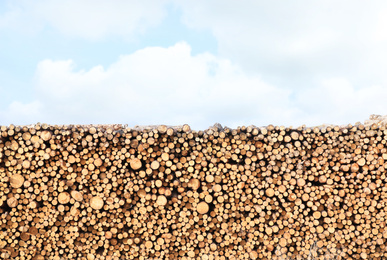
[(163, 192)]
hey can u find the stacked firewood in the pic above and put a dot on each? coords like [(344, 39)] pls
[(112, 192)]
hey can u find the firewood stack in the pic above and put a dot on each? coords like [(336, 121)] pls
[(111, 192)]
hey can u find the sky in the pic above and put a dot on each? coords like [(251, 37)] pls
[(172, 62)]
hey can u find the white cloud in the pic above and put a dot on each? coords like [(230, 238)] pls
[(171, 86), (297, 43), (59, 81), (18, 112), (337, 101), (289, 63), (90, 19), (157, 85), (379, 30)]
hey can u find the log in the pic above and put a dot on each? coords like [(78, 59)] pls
[(165, 192), (135, 164), (16, 181), (202, 207), (96, 202)]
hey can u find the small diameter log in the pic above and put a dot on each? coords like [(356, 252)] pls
[(361, 161), (98, 162), (45, 135), (26, 164), (194, 184), (270, 192)]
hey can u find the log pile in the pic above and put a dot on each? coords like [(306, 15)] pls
[(112, 192)]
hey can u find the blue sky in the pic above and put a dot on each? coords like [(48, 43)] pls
[(196, 62)]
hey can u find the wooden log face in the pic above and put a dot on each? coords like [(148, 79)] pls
[(16, 180), (77, 195), (12, 202), (46, 135), (63, 198), (96, 202), (161, 200), (135, 164), (202, 207), (159, 192), (155, 165)]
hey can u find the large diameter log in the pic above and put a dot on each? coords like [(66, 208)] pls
[(16, 180), (202, 207), (135, 164), (96, 202)]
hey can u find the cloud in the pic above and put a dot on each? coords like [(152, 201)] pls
[(297, 44), (337, 101), (156, 86), (289, 64), (171, 86), (89, 19), (18, 112)]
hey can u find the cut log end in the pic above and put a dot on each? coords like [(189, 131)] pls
[(46, 135), (12, 202), (135, 164), (155, 165), (161, 200), (202, 207), (63, 198), (98, 162), (96, 202), (269, 192), (77, 195), (16, 181)]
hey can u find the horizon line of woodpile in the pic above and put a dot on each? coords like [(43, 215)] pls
[(159, 192)]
